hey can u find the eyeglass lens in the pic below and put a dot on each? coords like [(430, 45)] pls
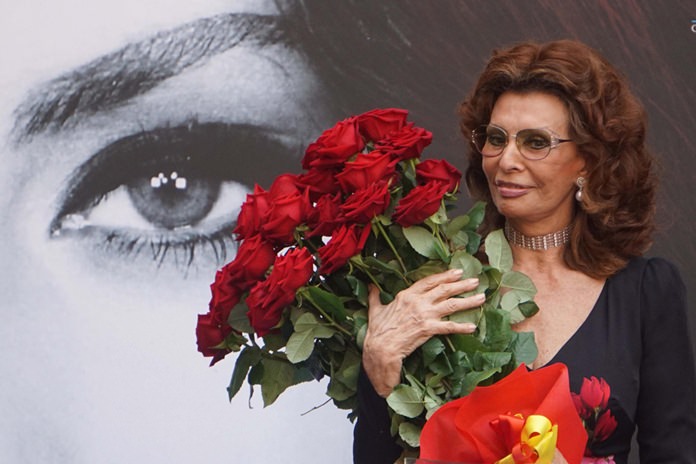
[(532, 143)]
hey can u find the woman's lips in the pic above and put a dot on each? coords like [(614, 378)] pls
[(511, 190)]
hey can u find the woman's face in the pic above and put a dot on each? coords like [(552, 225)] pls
[(537, 196), (104, 266)]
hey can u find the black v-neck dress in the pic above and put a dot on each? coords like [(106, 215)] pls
[(637, 338)]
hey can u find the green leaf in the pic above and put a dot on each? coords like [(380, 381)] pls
[(359, 289), (422, 241), (498, 331), (441, 366), (300, 346), (349, 370), (249, 356), (440, 216), (466, 343), (431, 349), (406, 400), (498, 251), (476, 215), (326, 301), (511, 299), (472, 379), (274, 341), (429, 268), (524, 348), (528, 308), (238, 318), (474, 242), (278, 375), (472, 316), (456, 225), (410, 433), (339, 391), (381, 266), (518, 281), (492, 360), (306, 322), (462, 260)]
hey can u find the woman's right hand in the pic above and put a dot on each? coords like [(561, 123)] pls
[(395, 330)]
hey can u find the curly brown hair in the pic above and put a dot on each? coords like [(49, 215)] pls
[(607, 122)]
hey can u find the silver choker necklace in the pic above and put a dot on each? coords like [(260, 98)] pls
[(539, 242)]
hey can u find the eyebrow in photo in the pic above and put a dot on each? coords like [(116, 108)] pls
[(115, 78)]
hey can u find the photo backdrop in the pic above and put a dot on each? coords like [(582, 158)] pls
[(101, 279)]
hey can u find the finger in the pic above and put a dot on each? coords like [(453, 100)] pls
[(373, 299), (451, 327), (432, 281), (450, 289), (453, 305)]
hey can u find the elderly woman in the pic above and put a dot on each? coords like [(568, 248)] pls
[(557, 149)]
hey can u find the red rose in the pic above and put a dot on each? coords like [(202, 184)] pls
[(319, 182), (285, 214), (347, 242), (407, 143), (583, 411), (225, 293), (210, 333), (595, 393), (365, 170), (326, 216), (440, 171), (606, 424), (268, 299), (377, 124), (334, 146), (284, 185), (253, 210), (419, 204), (254, 256), (363, 205)]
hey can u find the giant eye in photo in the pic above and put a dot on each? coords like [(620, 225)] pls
[(165, 193)]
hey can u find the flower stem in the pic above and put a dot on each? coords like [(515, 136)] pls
[(328, 318), (380, 227)]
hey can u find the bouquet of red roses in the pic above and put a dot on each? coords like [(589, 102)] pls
[(365, 210)]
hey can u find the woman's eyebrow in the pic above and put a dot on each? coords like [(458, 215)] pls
[(138, 67)]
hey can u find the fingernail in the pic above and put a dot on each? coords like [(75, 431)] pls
[(457, 272), (481, 297), (472, 281), (470, 326)]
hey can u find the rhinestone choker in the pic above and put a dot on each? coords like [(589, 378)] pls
[(539, 242)]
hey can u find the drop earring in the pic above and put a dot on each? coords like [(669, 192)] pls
[(580, 182)]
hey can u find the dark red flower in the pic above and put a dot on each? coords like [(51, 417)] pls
[(583, 411), (346, 242), (439, 171), (377, 124), (254, 256), (408, 142), (268, 299), (595, 393), (365, 170), (287, 211), (209, 334), (363, 205), (251, 215), (334, 146), (326, 216), (319, 182), (606, 424), (419, 204), (284, 185)]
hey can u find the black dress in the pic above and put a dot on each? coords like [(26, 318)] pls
[(637, 338)]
